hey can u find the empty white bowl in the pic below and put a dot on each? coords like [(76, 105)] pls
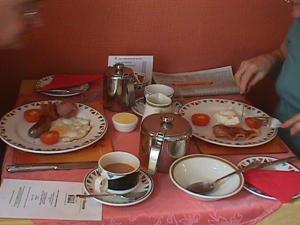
[(125, 122), (199, 167)]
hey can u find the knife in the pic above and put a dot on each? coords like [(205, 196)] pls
[(50, 166)]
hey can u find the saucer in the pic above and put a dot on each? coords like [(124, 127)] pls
[(139, 106), (145, 184)]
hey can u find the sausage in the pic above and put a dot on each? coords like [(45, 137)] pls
[(50, 110), (66, 109), (40, 127)]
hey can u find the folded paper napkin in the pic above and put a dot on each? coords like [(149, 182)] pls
[(70, 80), (282, 185)]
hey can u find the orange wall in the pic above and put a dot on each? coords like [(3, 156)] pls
[(183, 35)]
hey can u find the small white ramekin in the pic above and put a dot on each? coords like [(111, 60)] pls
[(125, 122)]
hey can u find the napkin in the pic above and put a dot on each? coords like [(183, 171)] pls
[(283, 185), (70, 80)]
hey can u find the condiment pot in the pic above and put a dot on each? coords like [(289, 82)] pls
[(165, 137)]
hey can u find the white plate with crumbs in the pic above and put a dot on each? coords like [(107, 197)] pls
[(14, 130), (213, 106)]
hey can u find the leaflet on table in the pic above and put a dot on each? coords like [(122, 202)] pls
[(219, 81), (142, 65), (33, 199)]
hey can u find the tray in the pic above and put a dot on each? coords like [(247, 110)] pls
[(274, 146)]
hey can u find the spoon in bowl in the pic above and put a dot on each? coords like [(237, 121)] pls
[(206, 187)]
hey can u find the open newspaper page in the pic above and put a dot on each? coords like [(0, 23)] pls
[(219, 81)]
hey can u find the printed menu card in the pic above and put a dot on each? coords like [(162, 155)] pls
[(142, 65), (33, 199)]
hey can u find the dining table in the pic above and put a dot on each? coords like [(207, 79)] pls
[(167, 204)]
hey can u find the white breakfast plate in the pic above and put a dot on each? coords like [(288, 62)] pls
[(139, 107), (210, 107), (284, 166), (59, 92), (14, 130), (145, 184)]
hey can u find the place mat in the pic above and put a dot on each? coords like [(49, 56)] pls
[(91, 153), (274, 146)]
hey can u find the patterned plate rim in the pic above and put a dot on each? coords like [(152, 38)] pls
[(95, 172), (251, 189), (7, 138), (222, 142)]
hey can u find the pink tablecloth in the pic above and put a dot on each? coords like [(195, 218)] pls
[(167, 204)]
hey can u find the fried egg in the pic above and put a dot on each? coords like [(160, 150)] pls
[(228, 117), (71, 129)]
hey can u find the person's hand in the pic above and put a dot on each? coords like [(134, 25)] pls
[(252, 71), (293, 123)]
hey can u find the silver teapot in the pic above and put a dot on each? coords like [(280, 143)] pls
[(119, 90), (165, 137)]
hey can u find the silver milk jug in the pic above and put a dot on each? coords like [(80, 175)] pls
[(165, 137), (119, 91)]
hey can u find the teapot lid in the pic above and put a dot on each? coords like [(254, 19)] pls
[(119, 70), (172, 125)]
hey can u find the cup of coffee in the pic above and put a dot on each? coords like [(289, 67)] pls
[(159, 88), (119, 172)]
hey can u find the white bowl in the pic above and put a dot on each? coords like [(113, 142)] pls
[(199, 167), (125, 122)]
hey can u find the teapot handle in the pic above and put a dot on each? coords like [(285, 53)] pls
[(131, 94), (155, 152)]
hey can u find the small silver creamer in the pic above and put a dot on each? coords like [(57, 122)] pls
[(119, 91)]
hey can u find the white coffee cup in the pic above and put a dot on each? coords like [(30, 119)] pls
[(157, 103), (158, 88), (119, 172)]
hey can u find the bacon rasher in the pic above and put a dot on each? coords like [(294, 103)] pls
[(233, 132)]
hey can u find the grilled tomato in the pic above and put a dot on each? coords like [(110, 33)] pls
[(253, 123), (32, 115), (50, 137), (200, 119)]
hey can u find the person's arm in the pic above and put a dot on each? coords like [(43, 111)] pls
[(253, 70)]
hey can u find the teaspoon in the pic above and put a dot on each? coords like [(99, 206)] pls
[(128, 196)]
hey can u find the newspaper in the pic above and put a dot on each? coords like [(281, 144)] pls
[(218, 81)]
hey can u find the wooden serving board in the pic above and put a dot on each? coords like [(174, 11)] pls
[(274, 146), (91, 153)]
